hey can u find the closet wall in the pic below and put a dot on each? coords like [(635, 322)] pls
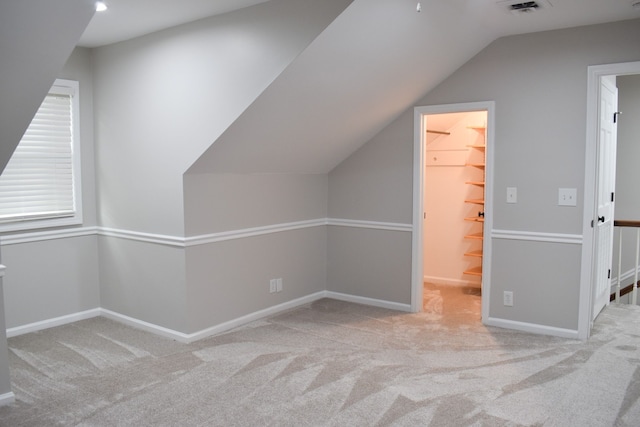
[(453, 198)]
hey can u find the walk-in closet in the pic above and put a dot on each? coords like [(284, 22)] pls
[(454, 199)]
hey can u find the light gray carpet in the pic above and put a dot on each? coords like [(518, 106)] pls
[(330, 363)]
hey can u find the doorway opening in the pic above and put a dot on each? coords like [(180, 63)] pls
[(452, 215), (595, 249)]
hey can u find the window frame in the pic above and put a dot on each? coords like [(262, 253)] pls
[(72, 88)]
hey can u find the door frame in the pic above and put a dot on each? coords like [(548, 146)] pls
[(589, 251), (417, 277)]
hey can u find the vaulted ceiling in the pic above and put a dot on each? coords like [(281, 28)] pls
[(36, 38), (126, 19), (373, 62)]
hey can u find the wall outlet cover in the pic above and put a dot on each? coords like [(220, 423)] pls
[(508, 298), (567, 197)]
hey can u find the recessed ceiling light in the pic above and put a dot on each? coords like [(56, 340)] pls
[(100, 6)]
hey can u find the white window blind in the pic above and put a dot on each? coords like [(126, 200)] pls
[(38, 182)]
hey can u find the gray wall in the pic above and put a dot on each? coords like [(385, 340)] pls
[(133, 176), (145, 281), (36, 38), (227, 202), (369, 263), (161, 101), (538, 82), (373, 184), (48, 279), (229, 279)]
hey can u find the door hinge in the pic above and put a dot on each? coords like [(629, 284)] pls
[(615, 116), (609, 274), (591, 223), (612, 196)]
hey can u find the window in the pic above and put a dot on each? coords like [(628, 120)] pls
[(40, 187)]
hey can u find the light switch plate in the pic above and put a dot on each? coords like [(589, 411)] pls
[(512, 195), (567, 197)]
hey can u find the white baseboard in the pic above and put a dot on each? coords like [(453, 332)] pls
[(7, 398), (51, 323), (449, 282), (532, 328), (368, 301), (217, 329), (145, 326), (261, 314)]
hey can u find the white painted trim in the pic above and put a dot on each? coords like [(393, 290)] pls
[(252, 232), (145, 326), (216, 329), (417, 237), (3, 268), (450, 282), (160, 330), (51, 323), (418, 191), (261, 314), (391, 226), (369, 301), (487, 244), (7, 398), (532, 328), (184, 242), (573, 239), (594, 73), (136, 236), (38, 236)]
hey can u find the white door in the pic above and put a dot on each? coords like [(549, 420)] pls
[(605, 194)]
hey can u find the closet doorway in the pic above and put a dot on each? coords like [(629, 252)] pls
[(454, 208)]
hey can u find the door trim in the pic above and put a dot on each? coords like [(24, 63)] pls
[(418, 196), (594, 73)]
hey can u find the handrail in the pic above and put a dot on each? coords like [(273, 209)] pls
[(634, 286), (626, 223)]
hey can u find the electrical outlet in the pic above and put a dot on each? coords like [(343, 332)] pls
[(508, 298), (279, 285), (273, 286)]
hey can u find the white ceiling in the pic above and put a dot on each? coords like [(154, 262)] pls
[(126, 19)]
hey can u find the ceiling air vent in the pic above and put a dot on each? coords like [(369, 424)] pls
[(526, 7), (522, 7)]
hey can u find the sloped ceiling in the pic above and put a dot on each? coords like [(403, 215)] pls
[(373, 62), (36, 38), (126, 19)]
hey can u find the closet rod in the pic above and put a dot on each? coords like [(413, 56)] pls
[(439, 132)]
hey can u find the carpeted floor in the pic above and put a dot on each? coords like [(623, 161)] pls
[(331, 363)]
